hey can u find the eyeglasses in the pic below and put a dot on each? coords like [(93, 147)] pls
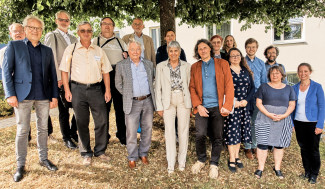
[(65, 20), (107, 24), (235, 56), (31, 28), (84, 31), (135, 24)]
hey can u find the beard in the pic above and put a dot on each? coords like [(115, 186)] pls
[(270, 60)]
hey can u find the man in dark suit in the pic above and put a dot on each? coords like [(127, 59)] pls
[(134, 80), (58, 40), (29, 79)]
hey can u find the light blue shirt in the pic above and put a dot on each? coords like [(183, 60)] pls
[(268, 66), (258, 68), (140, 40), (209, 84), (140, 79)]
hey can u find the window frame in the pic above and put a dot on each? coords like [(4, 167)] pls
[(157, 40), (291, 41)]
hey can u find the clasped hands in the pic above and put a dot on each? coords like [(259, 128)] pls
[(276, 117), (241, 103)]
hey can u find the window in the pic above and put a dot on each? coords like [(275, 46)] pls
[(295, 35), (155, 35), (292, 78), (223, 30)]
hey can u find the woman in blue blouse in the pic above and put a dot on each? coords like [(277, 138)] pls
[(309, 121)]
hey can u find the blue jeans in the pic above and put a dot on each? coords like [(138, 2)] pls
[(23, 113)]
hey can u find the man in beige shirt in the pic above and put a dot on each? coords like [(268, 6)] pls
[(148, 50), (87, 65)]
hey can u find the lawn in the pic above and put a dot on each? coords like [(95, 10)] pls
[(116, 174)]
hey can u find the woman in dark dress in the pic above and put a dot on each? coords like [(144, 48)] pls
[(273, 124), (237, 124)]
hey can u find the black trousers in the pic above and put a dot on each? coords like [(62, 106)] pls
[(117, 100), (309, 146), (84, 99), (211, 126), (67, 131)]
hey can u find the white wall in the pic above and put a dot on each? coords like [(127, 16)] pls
[(291, 55)]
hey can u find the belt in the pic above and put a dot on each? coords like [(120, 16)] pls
[(87, 85), (177, 91), (141, 97)]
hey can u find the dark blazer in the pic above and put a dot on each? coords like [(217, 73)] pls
[(17, 71), (162, 54), (124, 82), (314, 106)]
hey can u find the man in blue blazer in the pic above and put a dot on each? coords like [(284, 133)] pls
[(29, 79)]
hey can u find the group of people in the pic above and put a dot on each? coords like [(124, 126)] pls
[(234, 99)]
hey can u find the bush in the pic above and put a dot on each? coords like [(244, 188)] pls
[(5, 108)]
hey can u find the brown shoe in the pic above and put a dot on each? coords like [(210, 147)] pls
[(248, 154), (145, 160), (132, 164)]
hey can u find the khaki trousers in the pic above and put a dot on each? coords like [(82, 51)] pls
[(176, 107)]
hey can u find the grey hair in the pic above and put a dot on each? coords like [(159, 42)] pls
[(174, 44), (13, 24), (136, 42), (83, 23), (32, 17), (61, 11)]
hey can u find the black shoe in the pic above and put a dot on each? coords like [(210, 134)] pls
[(232, 169), (239, 164), (305, 176), (278, 173), (19, 174), (75, 138), (68, 143), (312, 179), (258, 173), (49, 165)]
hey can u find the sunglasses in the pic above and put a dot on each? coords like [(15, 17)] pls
[(65, 20), (84, 31)]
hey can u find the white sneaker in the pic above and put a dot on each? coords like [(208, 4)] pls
[(87, 161), (213, 173), (196, 168)]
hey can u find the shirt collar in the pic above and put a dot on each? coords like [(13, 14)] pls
[(209, 61), (252, 60), (26, 42), (62, 32), (79, 45), (141, 60), (107, 38)]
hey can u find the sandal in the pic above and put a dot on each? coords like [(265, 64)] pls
[(239, 164), (258, 174), (278, 173), (232, 169)]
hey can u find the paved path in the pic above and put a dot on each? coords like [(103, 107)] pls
[(12, 120)]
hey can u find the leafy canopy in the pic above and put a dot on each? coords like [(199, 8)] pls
[(192, 12)]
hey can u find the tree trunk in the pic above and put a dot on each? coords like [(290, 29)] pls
[(167, 18)]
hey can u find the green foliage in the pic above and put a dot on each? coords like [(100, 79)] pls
[(194, 12), (5, 108)]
